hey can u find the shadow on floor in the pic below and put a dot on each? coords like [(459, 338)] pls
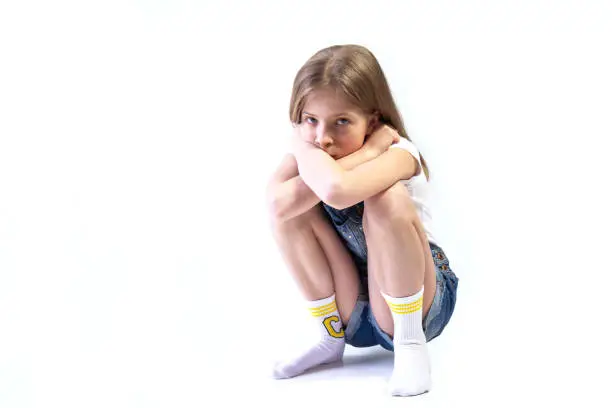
[(366, 362)]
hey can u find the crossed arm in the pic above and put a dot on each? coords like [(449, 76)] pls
[(289, 195), (310, 175)]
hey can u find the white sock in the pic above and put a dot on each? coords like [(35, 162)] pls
[(411, 370), (330, 347)]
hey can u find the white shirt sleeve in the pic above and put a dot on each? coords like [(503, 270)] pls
[(408, 145)]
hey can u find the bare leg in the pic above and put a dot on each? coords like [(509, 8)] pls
[(400, 265), (318, 260), (322, 268), (399, 256)]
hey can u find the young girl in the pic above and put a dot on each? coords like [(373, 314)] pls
[(350, 215)]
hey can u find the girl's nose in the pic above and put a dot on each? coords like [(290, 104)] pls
[(322, 139)]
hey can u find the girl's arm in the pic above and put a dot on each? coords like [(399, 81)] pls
[(341, 188), (287, 194)]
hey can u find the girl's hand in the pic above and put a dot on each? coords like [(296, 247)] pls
[(381, 139), (298, 142)]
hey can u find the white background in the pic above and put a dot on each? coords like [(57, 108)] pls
[(136, 264)]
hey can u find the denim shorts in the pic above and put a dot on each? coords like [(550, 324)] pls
[(362, 330)]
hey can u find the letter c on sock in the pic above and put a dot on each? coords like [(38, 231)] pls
[(330, 329)]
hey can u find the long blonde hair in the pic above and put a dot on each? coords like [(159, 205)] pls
[(354, 71)]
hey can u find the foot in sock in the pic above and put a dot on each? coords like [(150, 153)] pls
[(411, 370), (330, 347)]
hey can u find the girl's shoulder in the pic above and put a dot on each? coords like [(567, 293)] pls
[(411, 147), (407, 145)]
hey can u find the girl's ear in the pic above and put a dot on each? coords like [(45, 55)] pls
[(373, 122)]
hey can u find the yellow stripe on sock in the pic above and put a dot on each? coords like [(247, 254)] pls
[(411, 305), (323, 310), (406, 307), (317, 308), (405, 311)]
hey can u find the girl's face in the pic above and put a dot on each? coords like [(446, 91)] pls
[(334, 125)]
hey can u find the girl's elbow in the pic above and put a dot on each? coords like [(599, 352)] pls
[(334, 195), (278, 212), (274, 204)]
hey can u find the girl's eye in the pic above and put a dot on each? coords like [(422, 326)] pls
[(343, 121), (310, 120)]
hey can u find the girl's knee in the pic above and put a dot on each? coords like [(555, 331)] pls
[(393, 204)]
